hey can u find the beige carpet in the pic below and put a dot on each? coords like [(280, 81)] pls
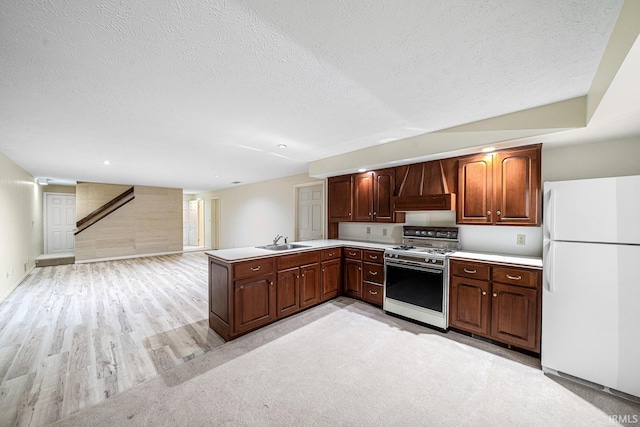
[(347, 363)]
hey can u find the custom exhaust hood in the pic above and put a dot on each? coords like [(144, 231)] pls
[(427, 186)]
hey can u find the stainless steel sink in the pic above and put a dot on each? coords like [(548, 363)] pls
[(283, 247)]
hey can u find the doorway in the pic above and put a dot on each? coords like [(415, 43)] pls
[(59, 223), (309, 211), (192, 224)]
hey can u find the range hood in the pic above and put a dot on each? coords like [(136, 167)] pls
[(427, 186)]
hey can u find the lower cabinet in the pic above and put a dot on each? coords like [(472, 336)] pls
[(310, 285), (499, 302), (254, 301), (373, 277), (288, 291), (353, 278)]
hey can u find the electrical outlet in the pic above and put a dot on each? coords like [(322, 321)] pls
[(384, 231), (368, 230), (521, 239)]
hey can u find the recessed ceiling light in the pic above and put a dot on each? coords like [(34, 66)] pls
[(106, 162), (488, 149), (282, 145), (362, 170), (216, 176)]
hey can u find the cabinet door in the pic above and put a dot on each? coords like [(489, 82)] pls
[(310, 290), (353, 278), (363, 197), (340, 193), (383, 187), (288, 289), (253, 302), (517, 186), (514, 315), (475, 188), (331, 279), (469, 305)]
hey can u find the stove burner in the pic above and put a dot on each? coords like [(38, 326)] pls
[(404, 247)]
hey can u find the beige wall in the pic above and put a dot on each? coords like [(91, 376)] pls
[(253, 214), (21, 221), (90, 196), (150, 224), (610, 158)]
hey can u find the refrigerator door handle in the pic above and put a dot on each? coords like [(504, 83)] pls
[(549, 249), (549, 214)]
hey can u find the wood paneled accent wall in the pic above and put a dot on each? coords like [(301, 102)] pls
[(150, 224)]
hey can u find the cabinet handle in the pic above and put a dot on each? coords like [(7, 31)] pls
[(352, 253), (495, 294), (255, 268), (359, 269), (372, 293), (484, 292), (271, 283), (330, 253), (488, 213), (470, 271), (369, 213), (514, 277), (373, 256), (297, 276), (373, 273), (498, 213)]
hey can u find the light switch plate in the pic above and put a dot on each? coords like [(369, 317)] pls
[(521, 239)]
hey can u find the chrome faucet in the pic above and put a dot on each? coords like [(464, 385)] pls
[(278, 237)]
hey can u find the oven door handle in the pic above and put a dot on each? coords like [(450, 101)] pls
[(415, 267)]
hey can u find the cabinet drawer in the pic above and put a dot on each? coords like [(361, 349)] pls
[(372, 293), (353, 253), (253, 268), (296, 260), (516, 276), (470, 269), (373, 272), (373, 256), (332, 253)]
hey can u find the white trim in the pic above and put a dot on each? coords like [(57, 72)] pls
[(18, 283), (84, 261), (295, 206)]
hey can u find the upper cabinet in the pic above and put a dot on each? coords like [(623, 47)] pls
[(340, 198), (364, 197), (501, 188), (426, 186)]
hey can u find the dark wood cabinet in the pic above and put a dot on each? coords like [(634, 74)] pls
[(288, 290), (340, 198), (253, 302), (484, 300), (372, 277), (353, 278), (469, 305), (331, 278), (310, 285), (372, 197), (502, 188)]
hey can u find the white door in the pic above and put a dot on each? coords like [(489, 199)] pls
[(60, 223), (310, 208), (190, 223)]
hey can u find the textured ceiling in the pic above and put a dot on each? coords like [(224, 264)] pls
[(198, 94)]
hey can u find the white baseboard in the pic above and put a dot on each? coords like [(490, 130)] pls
[(18, 283), (84, 261)]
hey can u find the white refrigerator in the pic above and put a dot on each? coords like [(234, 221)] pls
[(591, 291)]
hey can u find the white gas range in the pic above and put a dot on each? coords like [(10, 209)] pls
[(416, 284)]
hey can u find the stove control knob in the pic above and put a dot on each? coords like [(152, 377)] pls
[(433, 261)]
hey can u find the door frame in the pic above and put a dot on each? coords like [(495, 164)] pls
[(45, 226), (296, 187)]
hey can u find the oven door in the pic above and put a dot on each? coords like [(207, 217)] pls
[(416, 285)]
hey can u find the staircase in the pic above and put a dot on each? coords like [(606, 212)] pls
[(105, 210)]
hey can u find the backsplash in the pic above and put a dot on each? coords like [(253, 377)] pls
[(480, 238)]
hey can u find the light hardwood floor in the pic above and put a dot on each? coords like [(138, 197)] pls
[(74, 335)]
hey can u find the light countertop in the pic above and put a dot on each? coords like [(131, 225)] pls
[(498, 258), (239, 254)]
